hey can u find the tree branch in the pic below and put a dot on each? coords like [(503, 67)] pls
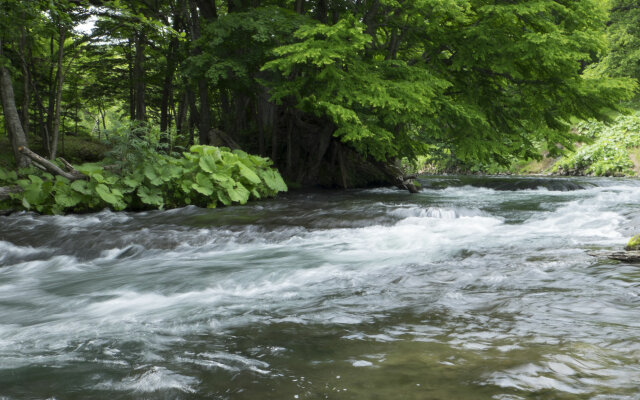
[(72, 175)]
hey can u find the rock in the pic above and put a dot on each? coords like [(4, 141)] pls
[(631, 257), (627, 256), (633, 244)]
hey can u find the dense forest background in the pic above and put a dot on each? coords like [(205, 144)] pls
[(335, 92)]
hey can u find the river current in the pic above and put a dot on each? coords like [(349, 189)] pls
[(475, 288)]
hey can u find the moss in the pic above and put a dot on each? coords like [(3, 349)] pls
[(633, 244), (79, 149)]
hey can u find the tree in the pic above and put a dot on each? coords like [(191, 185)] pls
[(624, 38), (334, 91), (12, 120)]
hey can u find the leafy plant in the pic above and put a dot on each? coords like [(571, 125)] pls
[(205, 176), (608, 150)]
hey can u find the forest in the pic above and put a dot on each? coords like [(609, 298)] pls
[(328, 93)]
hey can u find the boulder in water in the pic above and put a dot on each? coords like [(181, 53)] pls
[(630, 255)]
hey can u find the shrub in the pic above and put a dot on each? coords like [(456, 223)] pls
[(206, 176), (608, 150)]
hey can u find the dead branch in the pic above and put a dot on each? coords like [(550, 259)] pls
[(72, 175), (66, 164)]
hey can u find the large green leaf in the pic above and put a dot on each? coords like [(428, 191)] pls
[(152, 175), (133, 180), (273, 180), (208, 163), (239, 193), (105, 194), (221, 176), (68, 198), (35, 193), (89, 168), (203, 184), (35, 179), (150, 195), (224, 198), (248, 174), (81, 187)]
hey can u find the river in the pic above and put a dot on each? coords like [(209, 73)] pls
[(475, 288)]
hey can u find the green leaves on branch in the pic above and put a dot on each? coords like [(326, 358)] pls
[(483, 80), (205, 176)]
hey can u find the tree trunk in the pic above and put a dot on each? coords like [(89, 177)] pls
[(321, 10), (208, 9), (46, 140), (132, 91), (11, 118), (167, 89), (209, 12), (205, 114), (60, 81), (41, 125), (260, 122), (103, 115), (181, 115), (138, 77), (225, 109), (26, 100)]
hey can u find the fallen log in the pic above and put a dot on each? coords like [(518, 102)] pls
[(71, 174)]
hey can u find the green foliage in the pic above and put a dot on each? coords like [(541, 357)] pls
[(227, 61), (205, 176), (484, 80), (608, 151), (79, 149), (623, 34), (132, 143), (371, 101)]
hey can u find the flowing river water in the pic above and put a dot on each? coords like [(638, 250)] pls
[(475, 288)]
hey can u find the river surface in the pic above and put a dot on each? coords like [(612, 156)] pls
[(475, 288)]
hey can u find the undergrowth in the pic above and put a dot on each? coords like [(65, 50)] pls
[(607, 148), (142, 178)]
